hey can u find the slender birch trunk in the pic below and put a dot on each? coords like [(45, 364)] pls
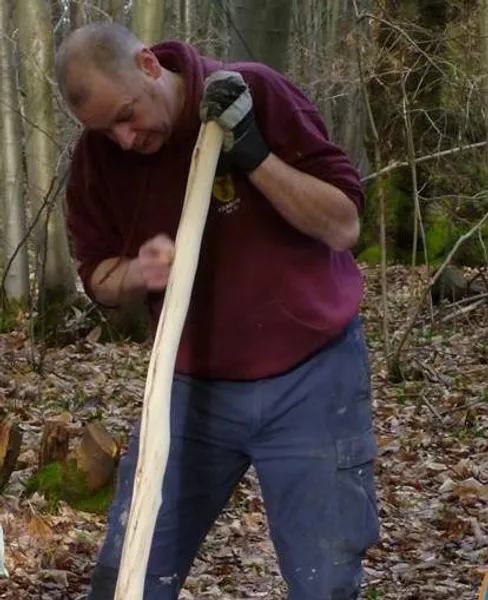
[(77, 13), (484, 46), (41, 152), (16, 276), (148, 20), (261, 31)]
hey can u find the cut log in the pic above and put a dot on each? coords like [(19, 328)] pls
[(155, 426), (97, 456), (453, 286), (10, 442), (54, 442)]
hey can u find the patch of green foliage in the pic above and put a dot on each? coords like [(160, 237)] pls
[(442, 234), (398, 216), (445, 218), (63, 481), (373, 594), (9, 314), (370, 255), (438, 238)]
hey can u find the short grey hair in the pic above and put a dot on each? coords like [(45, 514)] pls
[(105, 46)]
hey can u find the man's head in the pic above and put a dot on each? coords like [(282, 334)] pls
[(113, 83)]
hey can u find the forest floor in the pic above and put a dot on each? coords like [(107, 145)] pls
[(432, 468)]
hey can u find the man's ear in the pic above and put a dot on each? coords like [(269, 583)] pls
[(148, 63)]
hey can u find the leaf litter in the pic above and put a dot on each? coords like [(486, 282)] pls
[(432, 468)]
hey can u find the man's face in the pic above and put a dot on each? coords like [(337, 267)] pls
[(138, 112)]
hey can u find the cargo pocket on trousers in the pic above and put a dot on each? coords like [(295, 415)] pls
[(357, 525)]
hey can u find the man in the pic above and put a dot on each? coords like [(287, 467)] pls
[(272, 368)]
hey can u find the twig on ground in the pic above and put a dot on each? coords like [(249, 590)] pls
[(431, 407), (463, 311)]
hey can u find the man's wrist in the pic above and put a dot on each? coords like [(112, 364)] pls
[(133, 281), (250, 150), (117, 280)]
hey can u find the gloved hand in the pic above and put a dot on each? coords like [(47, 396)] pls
[(227, 100)]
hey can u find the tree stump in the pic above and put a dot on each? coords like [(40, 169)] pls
[(97, 456), (10, 442), (54, 443), (453, 286)]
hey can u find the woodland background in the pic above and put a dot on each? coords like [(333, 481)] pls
[(403, 87)]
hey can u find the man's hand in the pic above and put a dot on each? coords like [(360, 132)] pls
[(155, 259), (228, 101), (118, 280)]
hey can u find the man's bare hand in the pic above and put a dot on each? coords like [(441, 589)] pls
[(155, 259)]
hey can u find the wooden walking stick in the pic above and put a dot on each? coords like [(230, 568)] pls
[(155, 429)]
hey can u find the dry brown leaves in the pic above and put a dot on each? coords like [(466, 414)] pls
[(432, 469)]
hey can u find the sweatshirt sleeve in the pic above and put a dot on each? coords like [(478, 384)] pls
[(92, 228), (296, 133)]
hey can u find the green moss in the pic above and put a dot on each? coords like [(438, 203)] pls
[(63, 481), (398, 215), (371, 255), (402, 399), (438, 237), (50, 482), (373, 594), (97, 503), (442, 234)]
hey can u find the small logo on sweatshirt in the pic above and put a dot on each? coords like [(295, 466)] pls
[(225, 194)]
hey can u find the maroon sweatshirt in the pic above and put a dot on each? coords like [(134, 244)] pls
[(265, 296)]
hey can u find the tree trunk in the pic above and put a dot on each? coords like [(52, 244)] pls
[(112, 9), (14, 247), (78, 16), (97, 456), (325, 59), (185, 20), (213, 23), (10, 443), (35, 38), (147, 20), (202, 19), (484, 56), (54, 443), (348, 123), (260, 31), (116, 10)]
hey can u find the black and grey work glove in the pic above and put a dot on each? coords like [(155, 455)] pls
[(227, 100)]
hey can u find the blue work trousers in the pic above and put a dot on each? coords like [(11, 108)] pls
[(308, 434)]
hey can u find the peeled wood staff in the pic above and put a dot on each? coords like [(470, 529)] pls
[(155, 428)]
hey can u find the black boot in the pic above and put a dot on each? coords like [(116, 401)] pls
[(103, 583)]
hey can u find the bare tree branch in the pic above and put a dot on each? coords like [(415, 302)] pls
[(366, 15), (422, 159)]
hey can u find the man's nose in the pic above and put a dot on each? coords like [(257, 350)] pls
[(124, 135)]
